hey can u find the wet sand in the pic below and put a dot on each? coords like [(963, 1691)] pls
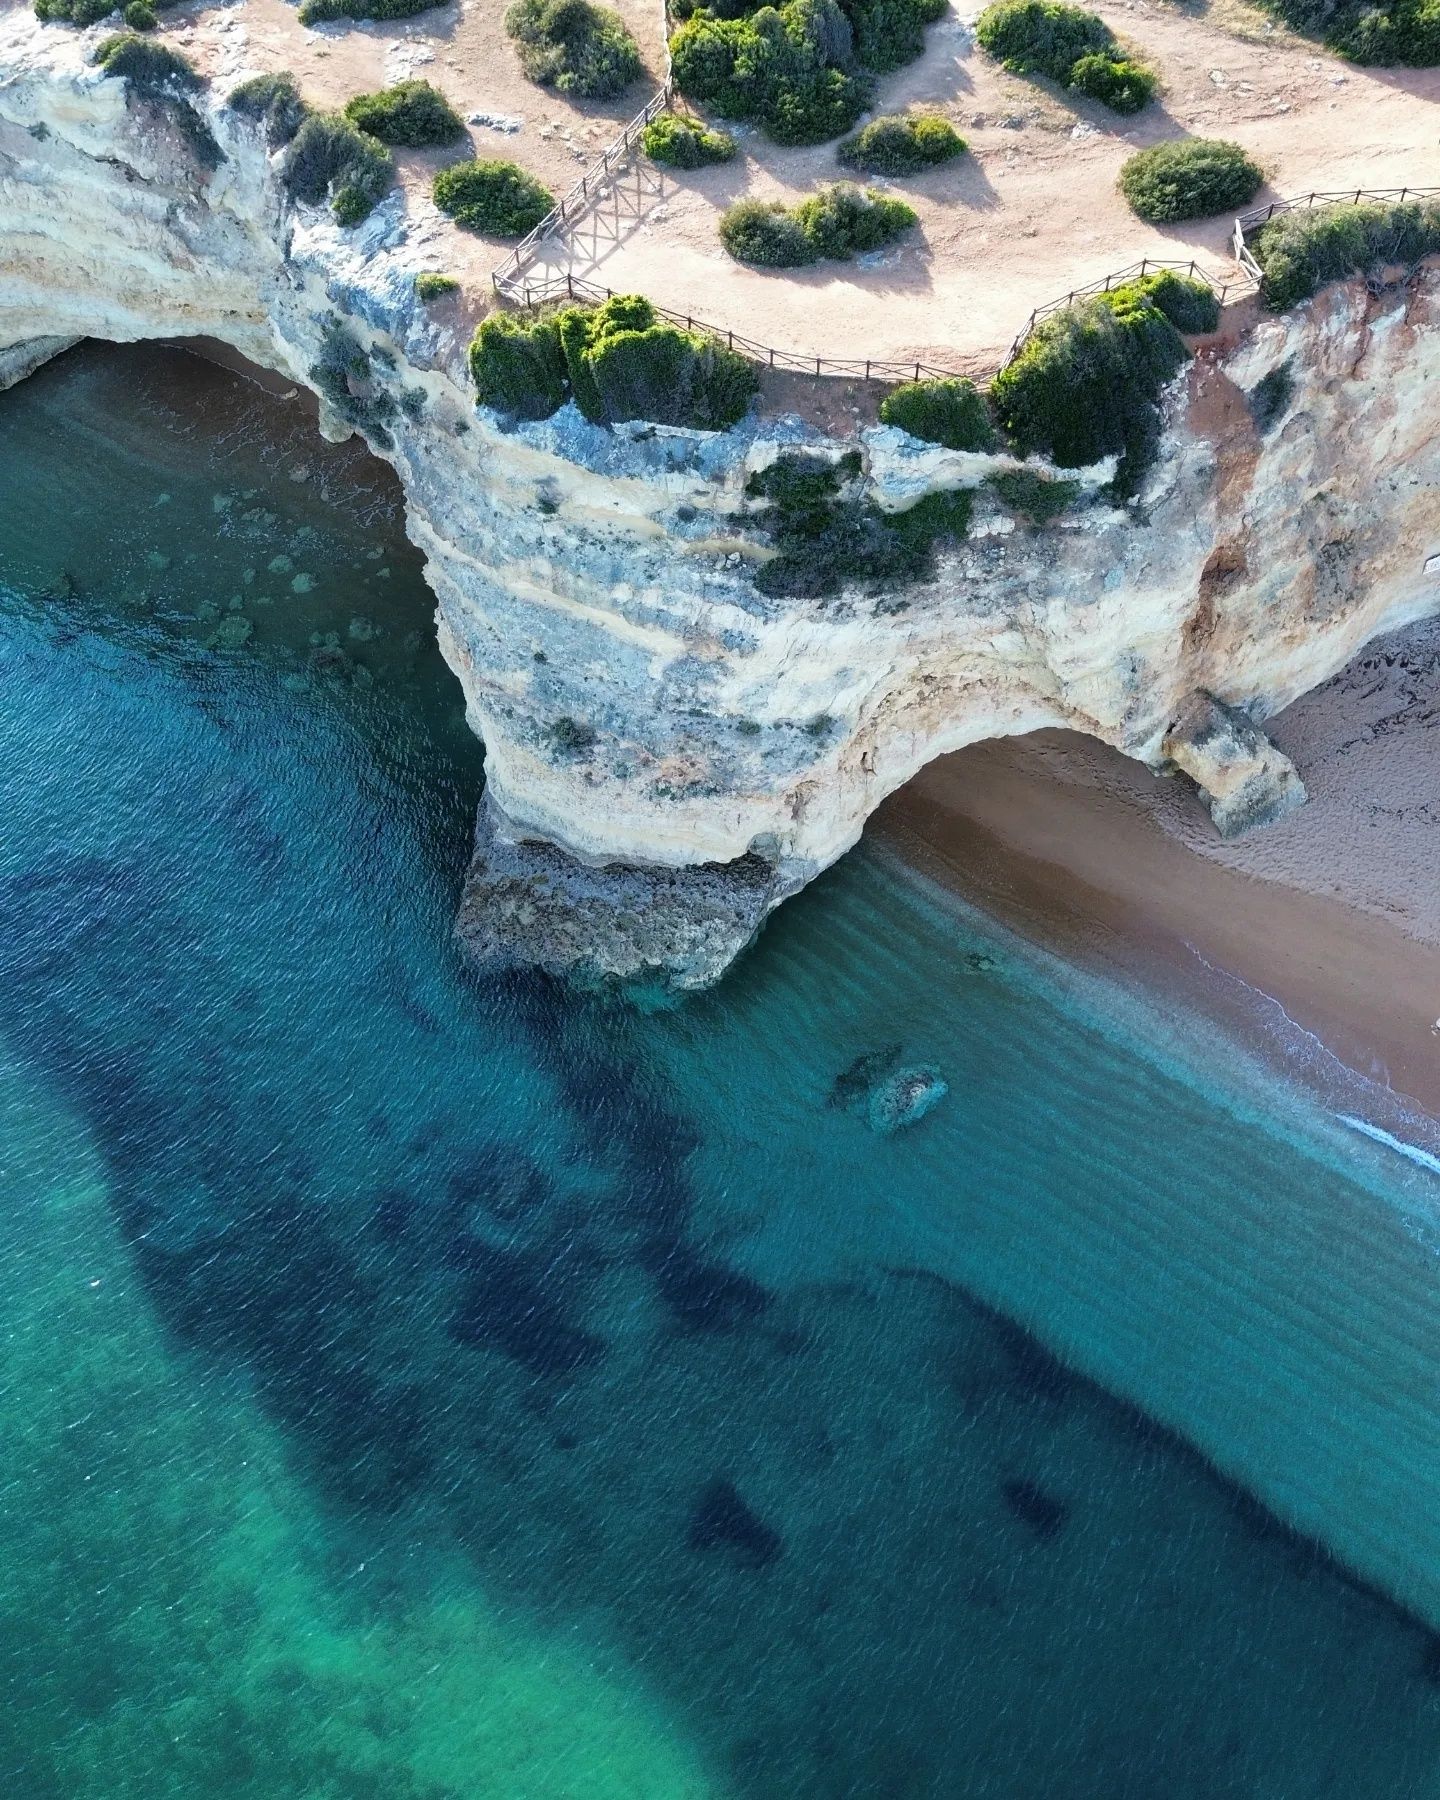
[(1320, 934)]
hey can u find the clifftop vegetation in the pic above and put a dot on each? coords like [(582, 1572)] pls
[(803, 70), (618, 361)]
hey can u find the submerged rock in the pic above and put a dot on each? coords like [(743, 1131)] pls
[(886, 1095), (905, 1097)]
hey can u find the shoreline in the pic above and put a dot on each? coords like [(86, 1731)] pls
[(1316, 943)]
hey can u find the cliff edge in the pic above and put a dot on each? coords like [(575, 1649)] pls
[(671, 749)]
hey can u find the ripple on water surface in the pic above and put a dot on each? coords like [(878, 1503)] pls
[(420, 1388)]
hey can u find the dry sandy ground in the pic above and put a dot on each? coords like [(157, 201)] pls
[(1334, 913), (1029, 214)]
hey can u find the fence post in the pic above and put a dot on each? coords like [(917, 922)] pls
[(772, 353), (570, 286), (867, 368), (917, 371)]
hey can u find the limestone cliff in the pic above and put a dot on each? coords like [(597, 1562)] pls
[(642, 703)]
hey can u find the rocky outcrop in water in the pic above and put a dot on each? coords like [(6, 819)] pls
[(645, 707)]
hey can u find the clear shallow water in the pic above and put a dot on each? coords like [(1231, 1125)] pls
[(424, 1389)]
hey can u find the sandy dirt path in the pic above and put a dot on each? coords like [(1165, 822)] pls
[(1030, 213)]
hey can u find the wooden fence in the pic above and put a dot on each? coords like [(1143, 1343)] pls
[(512, 282), (509, 279)]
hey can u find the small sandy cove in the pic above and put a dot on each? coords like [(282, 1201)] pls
[(1030, 213), (1332, 915)]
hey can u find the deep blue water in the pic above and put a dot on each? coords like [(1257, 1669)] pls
[(428, 1388)]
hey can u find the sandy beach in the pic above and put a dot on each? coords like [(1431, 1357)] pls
[(1323, 930)]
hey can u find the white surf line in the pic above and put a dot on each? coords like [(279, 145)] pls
[(1412, 1152)]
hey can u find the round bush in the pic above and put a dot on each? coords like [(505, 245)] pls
[(574, 46), (1069, 45), (1123, 86), (496, 198), (431, 285), (767, 234), (901, 144), (941, 411), (412, 113), (1190, 178), (842, 221), (684, 143), (1042, 37), (792, 68), (140, 15)]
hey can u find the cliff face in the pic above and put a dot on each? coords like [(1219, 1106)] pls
[(641, 702)]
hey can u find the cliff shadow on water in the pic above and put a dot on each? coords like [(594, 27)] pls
[(430, 1387)]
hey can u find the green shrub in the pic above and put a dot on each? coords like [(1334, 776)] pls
[(1384, 32), (765, 233), (140, 15), (329, 159), (345, 374), (901, 144), (1299, 252), (1037, 498), (1189, 305), (432, 286), (167, 80), (890, 33), (802, 68), (518, 367), (90, 12), (684, 143), (618, 362), (496, 198), (942, 411), (1042, 37), (1115, 81), (411, 113), (1067, 44), (1087, 382), (148, 67), (834, 224), (574, 46), (1270, 397), (317, 12), (844, 221), (826, 532), (792, 69), (1189, 178), (275, 101)]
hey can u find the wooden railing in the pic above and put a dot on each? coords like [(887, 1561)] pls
[(1148, 265), (1251, 221), (509, 279)]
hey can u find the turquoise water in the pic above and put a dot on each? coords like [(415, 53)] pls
[(421, 1388)]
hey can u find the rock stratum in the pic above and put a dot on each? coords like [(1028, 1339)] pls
[(670, 751)]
